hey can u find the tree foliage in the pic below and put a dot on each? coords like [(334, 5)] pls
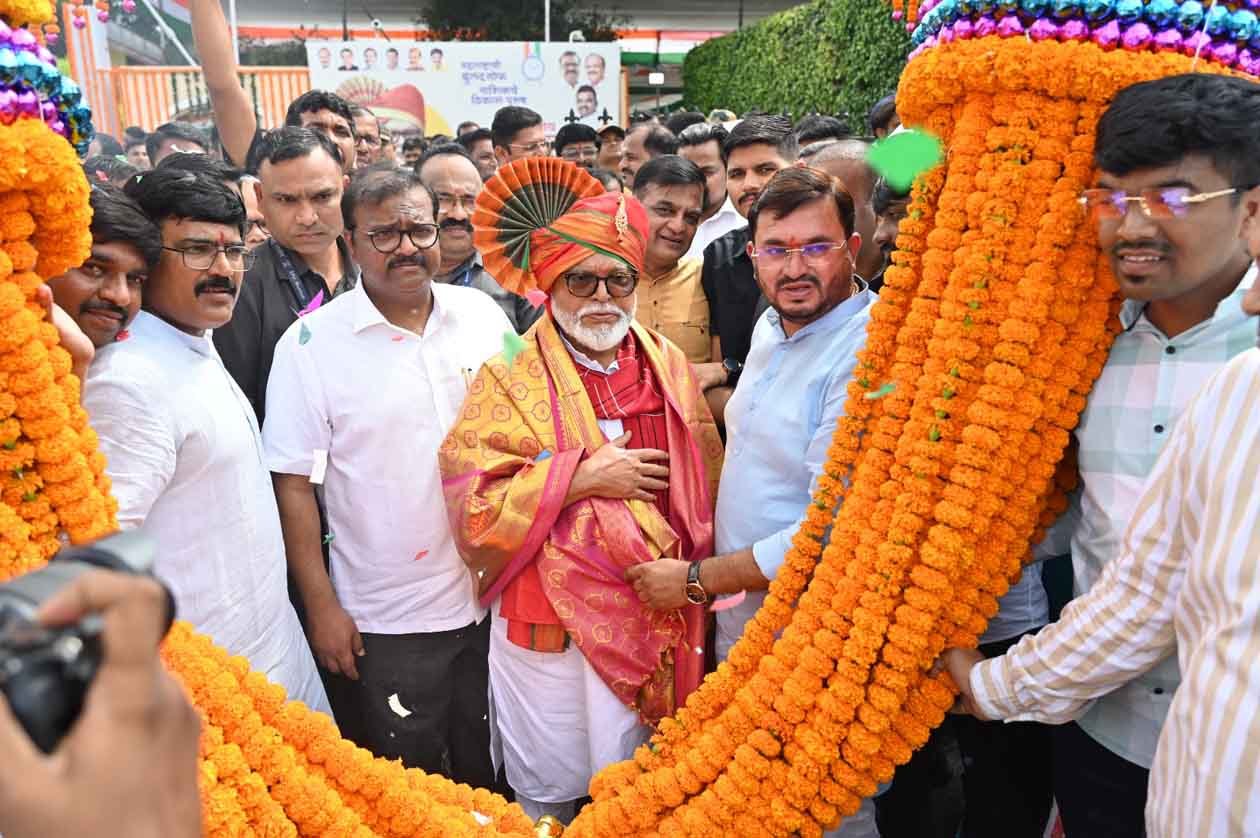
[(518, 20), (828, 56)]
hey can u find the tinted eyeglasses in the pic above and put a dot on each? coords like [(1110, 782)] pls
[(1159, 202), (774, 256), (423, 236), (618, 284)]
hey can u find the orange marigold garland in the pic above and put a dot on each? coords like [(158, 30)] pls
[(998, 340)]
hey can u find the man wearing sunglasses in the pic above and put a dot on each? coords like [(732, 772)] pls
[(585, 456), (181, 442), (361, 395), (1178, 160), (304, 264)]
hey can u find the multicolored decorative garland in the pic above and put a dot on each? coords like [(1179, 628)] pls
[(991, 329)]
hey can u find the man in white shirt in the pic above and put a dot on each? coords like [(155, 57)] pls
[(182, 443), (702, 144), (363, 390)]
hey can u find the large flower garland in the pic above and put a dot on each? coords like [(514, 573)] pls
[(993, 324), (1003, 313)]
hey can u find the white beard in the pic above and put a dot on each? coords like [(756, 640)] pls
[(599, 339)]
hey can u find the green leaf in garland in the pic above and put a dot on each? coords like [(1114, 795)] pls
[(903, 156), (881, 392)]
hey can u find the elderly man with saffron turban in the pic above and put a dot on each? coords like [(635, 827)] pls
[(585, 449)]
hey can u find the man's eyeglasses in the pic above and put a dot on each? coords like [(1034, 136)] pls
[(1159, 202), (774, 256), (574, 153), (539, 147), (620, 284), (423, 236), (201, 257), (446, 203), (261, 226)]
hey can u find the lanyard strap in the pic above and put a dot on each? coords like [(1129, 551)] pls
[(290, 275)]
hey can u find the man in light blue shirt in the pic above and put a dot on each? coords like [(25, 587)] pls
[(782, 415)]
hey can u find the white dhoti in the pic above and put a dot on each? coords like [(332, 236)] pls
[(553, 722)]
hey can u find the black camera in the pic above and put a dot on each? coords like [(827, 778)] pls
[(45, 672)]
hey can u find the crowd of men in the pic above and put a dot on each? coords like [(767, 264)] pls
[(499, 569)]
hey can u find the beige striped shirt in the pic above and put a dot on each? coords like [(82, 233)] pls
[(1189, 581)]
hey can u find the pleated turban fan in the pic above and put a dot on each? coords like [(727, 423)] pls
[(538, 217)]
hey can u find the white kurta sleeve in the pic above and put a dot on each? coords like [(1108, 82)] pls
[(139, 438), (297, 424)]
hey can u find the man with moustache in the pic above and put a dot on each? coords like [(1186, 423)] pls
[(368, 148), (780, 421), (644, 141), (1178, 162), (447, 170), (577, 143), (103, 294), (304, 264), (587, 102), (366, 388), (670, 298), (756, 149), (479, 143), (181, 441), (569, 67), (556, 482)]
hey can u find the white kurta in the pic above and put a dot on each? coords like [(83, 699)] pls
[(554, 722), (186, 461)]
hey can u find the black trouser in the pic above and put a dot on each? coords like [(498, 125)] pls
[(993, 778), (440, 680), (1100, 794)]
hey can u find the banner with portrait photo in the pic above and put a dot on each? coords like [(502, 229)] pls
[(430, 87)]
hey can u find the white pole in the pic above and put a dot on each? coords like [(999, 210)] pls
[(166, 30), (236, 41), (546, 20)]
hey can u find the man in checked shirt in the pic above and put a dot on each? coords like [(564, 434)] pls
[(1176, 205)]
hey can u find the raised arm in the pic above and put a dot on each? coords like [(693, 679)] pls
[(233, 111)]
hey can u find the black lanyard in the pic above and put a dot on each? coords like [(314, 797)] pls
[(290, 275)]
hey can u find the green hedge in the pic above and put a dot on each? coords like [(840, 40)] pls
[(829, 56)]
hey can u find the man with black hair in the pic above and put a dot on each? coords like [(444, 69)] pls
[(465, 127), (883, 119), (103, 294), (233, 108), (587, 102), (182, 445), (890, 208), (450, 173), (815, 127), (137, 152), (304, 264), (203, 164), (391, 58), (846, 159), (1178, 163), (577, 143), (174, 138), (643, 142), (671, 299), (517, 133), (368, 386), (104, 145), (347, 60), (367, 137), (437, 60), (681, 121), (702, 144), (569, 67), (757, 148), (412, 148), (479, 144), (782, 417), (111, 170)]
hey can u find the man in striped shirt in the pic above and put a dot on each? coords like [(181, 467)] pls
[(1180, 161)]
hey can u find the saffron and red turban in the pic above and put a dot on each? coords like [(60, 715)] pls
[(540, 216)]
